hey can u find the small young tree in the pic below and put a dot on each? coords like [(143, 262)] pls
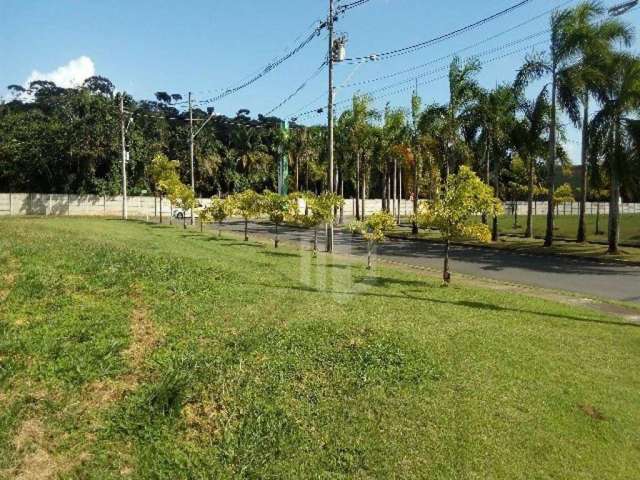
[(463, 197), (171, 186), (373, 230), (186, 200), (320, 209), (248, 204), (278, 207), (204, 216), (220, 209), (159, 170)]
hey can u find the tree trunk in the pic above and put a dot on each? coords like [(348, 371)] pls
[(246, 229), (276, 239), (529, 230), (341, 220), (369, 248), (614, 201), (598, 232), (395, 185), (399, 190), (582, 227), (416, 187), (201, 226), (551, 181), (315, 241), (219, 229), (446, 275), (495, 232), (488, 168), (297, 174), (160, 209), (184, 220), (170, 213), (364, 193), (385, 207), (358, 186)]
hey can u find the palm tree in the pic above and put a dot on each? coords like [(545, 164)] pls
[(496, 111), (530, 135), (416, 104), (464, 92), (393, 138), (432, 126), (360, 136), (594, 40), (616, 130), (554, 65)]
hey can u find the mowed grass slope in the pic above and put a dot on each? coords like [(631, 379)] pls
[(143, 351)]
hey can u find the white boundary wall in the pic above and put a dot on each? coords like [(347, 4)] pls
[(98, 205)]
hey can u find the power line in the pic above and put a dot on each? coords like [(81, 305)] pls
[(317, 72), (343, 8), (267, 69), (426, 82), (432, 41)]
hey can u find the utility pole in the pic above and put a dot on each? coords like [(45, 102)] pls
[(330, 118), (124, 159), (191, 138)]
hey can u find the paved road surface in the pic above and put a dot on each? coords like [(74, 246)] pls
[(619, 282)]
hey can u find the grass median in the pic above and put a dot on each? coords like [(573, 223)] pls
[(130, 349)]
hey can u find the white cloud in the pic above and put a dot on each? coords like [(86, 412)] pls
[(70, 75)]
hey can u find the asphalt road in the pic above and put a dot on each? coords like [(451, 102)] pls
[(604, 280)]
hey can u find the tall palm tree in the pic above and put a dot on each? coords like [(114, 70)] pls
[(595, 39), (432, 126), (530, 135), (553, 65), (616, 130), (496, 111), (360, 135), (464, 92), (414, 133)]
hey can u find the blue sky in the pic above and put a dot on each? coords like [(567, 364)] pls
[(206, 45)]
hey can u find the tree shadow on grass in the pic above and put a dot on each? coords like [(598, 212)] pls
[(459, 303), (280, 254)]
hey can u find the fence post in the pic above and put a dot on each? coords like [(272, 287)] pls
[(10, 205)]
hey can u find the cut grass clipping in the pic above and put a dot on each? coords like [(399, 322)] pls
[(142, 351)]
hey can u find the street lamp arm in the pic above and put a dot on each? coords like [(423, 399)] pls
[(204, 124)]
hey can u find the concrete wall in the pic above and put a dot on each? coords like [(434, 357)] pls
[(87, 205)]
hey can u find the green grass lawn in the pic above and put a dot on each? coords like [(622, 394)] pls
[(564, 244), (143, 351), (567, 227)]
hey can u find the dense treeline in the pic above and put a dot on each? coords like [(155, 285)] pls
[(68, 140)]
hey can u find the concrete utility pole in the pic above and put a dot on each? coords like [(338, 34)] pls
[(330, 118), (191, 139), (124, 159)]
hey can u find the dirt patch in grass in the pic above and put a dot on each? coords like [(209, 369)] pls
[(592, 412), (144, 338), (36, 462), (144, 335), (204, 418), (8, 278)]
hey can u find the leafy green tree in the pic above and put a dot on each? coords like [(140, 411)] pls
[(320, 211), (248, 204), (159, 170), (221, 209), (373, 230), (184, 199), (278, 208), (204, 216), (463, 197)]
